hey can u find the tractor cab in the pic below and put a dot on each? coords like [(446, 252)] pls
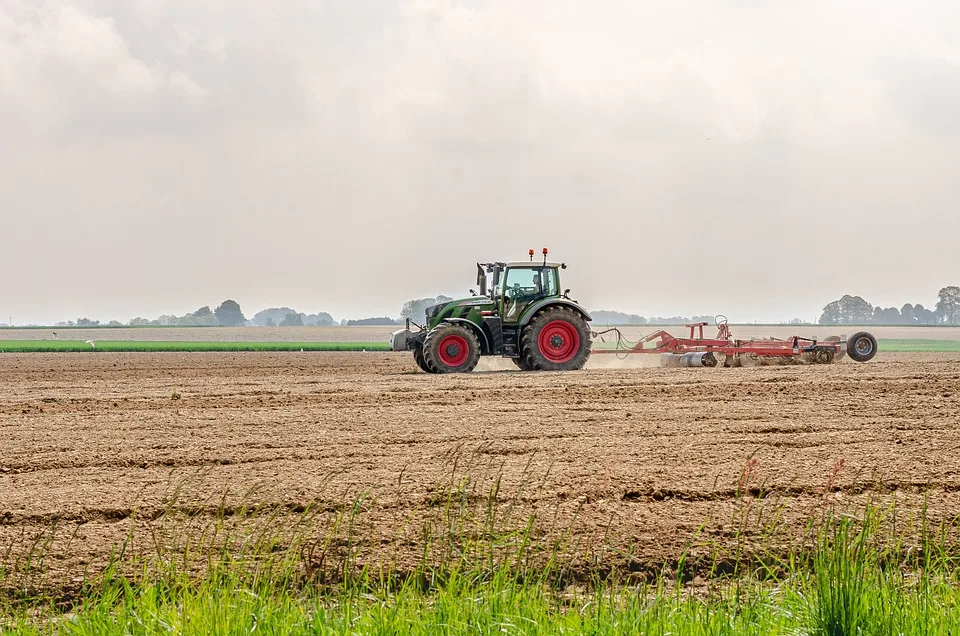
[(518, 285)]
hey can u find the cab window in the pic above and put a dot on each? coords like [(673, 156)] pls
[(532, 282)]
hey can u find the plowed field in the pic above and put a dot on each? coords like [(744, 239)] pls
[(96, 449)]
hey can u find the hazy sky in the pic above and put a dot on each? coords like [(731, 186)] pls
[(757, 159)]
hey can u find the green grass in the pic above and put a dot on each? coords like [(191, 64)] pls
[(852, 582), (915, 346), (483, 568), (40, 346)]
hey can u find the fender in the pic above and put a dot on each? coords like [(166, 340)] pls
[(484, 341), (548, 302)]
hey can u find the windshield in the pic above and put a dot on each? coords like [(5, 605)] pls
[(531, 282)]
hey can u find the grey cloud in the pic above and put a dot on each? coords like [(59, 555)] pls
[(250, 148)]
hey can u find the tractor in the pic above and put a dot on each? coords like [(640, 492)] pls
[(521, 315)]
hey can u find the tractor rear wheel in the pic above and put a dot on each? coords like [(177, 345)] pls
[(418, 358), (557, 339), (451, 348), (862, 346)]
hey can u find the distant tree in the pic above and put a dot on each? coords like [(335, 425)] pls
[(831, 314), (228, 314), (321, 319), (605, 317), (948, 306), (202, 317), (275, 315), (907, 314), (888, 316), (138, 322), (415, 310), (86, 322), (849, 310), (114, 323), (292, 319), (924, 316)]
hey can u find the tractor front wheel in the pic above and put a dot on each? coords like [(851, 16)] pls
[(521, 363), (418, 358), (557, 339), (451, 348)]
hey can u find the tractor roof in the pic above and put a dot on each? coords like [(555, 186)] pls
[(533, 264)]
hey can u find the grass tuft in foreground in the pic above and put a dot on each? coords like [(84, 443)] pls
[(854, 578)]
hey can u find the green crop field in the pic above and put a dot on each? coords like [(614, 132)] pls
[(919, 346), (149, 346)]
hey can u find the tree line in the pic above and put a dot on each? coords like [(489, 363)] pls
[(229, 314), (854, 310), (848, 310)]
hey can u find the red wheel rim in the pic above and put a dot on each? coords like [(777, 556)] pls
[(559, 341), (453, 350)]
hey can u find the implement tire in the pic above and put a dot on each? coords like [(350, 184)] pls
[(557, 339), (862, 346), (451, 348), (418, 358)]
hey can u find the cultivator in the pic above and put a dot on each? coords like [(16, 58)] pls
[(725, 350)]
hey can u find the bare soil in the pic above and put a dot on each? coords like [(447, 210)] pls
[(646, 462)]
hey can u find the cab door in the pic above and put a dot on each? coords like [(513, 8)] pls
[(521, 287)]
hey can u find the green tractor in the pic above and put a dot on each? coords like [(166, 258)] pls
[(521, 315)]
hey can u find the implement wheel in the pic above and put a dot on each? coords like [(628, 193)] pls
[(451, 348), (418, 358), (557, 339), (823, 356), (862, 346)]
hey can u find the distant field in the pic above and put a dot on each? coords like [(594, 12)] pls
[(351, 335), (57, 346), (207, 334), (146, 346)]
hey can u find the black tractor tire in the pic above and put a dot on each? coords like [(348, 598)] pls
[(861, 346), (451, 348), (418, 358), (521, 363), (557, 339)]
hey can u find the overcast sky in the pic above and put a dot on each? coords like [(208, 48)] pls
[(756, 159)]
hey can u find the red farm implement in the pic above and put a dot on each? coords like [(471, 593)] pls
[(727, 351)]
